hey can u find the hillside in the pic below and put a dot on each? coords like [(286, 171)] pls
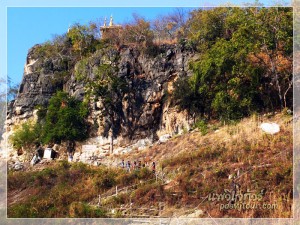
[(185, 103), (193, 166)]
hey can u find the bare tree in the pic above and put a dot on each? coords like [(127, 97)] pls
[(138, 31), (171, 26)]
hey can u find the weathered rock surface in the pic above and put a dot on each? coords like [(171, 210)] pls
[(39, 83), (146, 111)]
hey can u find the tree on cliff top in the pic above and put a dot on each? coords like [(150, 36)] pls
[(83, 39), (171, 27), (244, 65)]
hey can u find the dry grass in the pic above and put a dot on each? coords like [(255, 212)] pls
[(200, 165), (194, 165)]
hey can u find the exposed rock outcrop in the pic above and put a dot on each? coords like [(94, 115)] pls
[(146, 110)]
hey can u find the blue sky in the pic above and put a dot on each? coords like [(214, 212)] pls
[(30, 26)]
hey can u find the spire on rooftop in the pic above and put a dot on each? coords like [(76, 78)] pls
[(104, 22), (111, 21)]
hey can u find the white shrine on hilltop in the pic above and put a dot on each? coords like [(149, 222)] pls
[(110, 29)]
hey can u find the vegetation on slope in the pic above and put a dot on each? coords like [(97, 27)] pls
[(244, 64), (65, 190), (243, 67), (64, 119), (194, 166), (202, 164)]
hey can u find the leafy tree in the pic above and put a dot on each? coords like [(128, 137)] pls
[(82, 38), (206, 26), (26, 136), (244, 64), (187, 97), (274, 49), (65, 119)]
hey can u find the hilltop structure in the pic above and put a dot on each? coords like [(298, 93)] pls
[(112, 28)]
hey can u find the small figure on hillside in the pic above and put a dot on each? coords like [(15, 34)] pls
[(128, 165), (147, 160), (123, 164), (70, 158), (153, 167), (39, 151), (70, 146), (140, 165), (134, 165), (70, 150)]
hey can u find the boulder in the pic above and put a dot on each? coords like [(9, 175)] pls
[(195, 214), (164, 138), (270, 128), (18, 166)]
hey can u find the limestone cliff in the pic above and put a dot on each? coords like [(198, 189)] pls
[(146, 111)]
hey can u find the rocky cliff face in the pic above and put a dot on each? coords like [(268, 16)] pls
[(37, 86), (146, 110)]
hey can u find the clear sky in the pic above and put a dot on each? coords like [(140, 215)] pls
[(30, 26)]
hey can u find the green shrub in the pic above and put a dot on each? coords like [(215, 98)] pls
[(21, 211), (81, 69), (144, 173), (64, 165), (43, 177), (41, 112), (202, 126), (105, 179), (26, 136), (83, 210), (120, 199), (65, 119), (184, 96), (228, 108), (82, 167), (44, 50), (125, 179)]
